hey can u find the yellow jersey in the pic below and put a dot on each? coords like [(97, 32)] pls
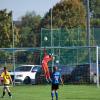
[(6, 77)]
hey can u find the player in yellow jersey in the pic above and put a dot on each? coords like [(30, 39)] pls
[(5, 76)]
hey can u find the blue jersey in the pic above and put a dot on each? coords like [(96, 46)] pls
[(56, 77)]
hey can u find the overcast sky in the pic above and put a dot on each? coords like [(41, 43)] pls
[(20, 7)]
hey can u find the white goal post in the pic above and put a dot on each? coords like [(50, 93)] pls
[(97, 53)]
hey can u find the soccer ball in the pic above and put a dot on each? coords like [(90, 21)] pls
[(45, 38)]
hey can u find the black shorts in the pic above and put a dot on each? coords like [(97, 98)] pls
[(6, 86), (55, 86)]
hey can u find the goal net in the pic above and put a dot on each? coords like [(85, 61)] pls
[(78, 63)]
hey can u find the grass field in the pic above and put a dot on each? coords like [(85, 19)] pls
[(42, 92)]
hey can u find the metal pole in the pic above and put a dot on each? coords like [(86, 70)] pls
[(13, 46), (97, 66), (88, 34), (78, 44), (59, 43), (88, 23), (88, 31), (52, 50), (41, 46), (51, 25)]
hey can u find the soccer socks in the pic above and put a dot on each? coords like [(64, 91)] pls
[(3, 94), (52, 94), (9, 93), (56, 93)]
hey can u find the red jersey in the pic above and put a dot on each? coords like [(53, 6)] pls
[(47, 58)]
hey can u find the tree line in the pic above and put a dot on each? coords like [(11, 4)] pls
[(66, 14), (26, 32)]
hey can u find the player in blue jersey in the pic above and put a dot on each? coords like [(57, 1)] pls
[(56, 80)]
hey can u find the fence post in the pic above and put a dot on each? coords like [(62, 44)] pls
[(97, 66)]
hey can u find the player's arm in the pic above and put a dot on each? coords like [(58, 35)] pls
[(10, 79), (45, 53), (61, 80), (51, 57), (1, 77)]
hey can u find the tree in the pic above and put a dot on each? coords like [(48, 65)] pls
[(70, 17), (28, 36), (67, 13), (95, 11), (29, 29), (95, 8), (6, 29)]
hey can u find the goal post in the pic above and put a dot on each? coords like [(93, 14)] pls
[(82, 50), (72, 57), (97, 64)]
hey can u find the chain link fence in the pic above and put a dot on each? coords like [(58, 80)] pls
[(77, 62)]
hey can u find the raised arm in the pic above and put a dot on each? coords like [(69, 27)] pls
[(45, 53)]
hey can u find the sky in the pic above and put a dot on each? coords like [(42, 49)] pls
[(20, 7)]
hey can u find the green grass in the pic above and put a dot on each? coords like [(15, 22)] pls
[(42, 92)]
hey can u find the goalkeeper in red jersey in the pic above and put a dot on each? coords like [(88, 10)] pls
[(45, 68)]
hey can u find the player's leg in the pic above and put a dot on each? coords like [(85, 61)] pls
[(43, 68), (56, 92), (52, 94), (4, 91), (9, 92), (48, 73), (52, 91)]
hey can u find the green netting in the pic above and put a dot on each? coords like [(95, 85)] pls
[(69, 38), (96, 34)]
